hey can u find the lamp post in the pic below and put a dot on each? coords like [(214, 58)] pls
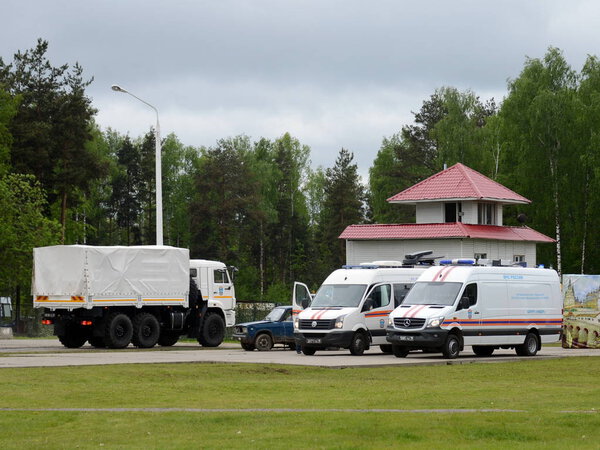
[(159, 209)]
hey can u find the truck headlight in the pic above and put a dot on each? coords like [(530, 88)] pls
[(339, 322), (435, 322)]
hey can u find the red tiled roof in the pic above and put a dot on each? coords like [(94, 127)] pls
[(442, 231), (457, 182)]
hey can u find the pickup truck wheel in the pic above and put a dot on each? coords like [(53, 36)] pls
[(483, 350), (74, 337), (529, 347), (358, 344), (399, 351), (97, 342), (309, 351), (247, 347), (451, 347), (118, 331), (263, 342), (168, 338), (213, 331), (146, 330)]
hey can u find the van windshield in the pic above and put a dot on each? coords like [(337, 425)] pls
[(340, 295), (432, 293)]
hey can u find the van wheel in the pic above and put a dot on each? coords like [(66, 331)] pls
[(483, 350), (213, 331), (399, 351), (358, 344), (529, 347), (263, 342), (451, 347), (386, 348)]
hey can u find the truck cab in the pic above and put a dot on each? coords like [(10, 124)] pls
[(215, 285)]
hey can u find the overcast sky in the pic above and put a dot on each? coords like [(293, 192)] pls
[(334, 74)]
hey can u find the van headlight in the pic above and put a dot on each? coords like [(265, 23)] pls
[(339, 322), (390, 321), (435, 322), (296, 323)]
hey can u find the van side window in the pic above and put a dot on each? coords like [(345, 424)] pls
[(381, 296), (400, 291), (471, 292)]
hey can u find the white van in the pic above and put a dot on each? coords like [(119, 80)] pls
[(485, 307), (351, 308)]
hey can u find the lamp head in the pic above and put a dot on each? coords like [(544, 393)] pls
[(117, 88)]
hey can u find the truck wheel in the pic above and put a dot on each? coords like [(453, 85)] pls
[(118, 331), (529, 347), (213, 331), (263, 342), (168, 338), (358, 344), (309, 351), (451, 347), (146, 330), (97, 342), (74, 336), (399, 351), (386, 348), (483, 350), (247, 347)]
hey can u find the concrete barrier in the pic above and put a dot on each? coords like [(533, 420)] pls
[(6, 333)]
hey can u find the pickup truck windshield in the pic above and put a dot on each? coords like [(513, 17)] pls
[(275, 315), (340, 295), (432, 293)]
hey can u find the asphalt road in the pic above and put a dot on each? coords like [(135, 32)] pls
[(50, 353)]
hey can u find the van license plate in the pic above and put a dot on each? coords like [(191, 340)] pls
[(406, 338), (313, 340)]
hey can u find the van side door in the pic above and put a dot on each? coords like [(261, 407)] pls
[(301, 297), (376, 308), (468, 313)]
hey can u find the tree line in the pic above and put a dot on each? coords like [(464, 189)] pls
[(259, 204)]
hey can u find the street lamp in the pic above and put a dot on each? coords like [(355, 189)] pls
[(159, 209)]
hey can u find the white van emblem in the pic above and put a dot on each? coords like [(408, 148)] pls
[(406, 323), (314, 324)]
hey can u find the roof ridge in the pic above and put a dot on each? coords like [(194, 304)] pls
[(467, 174), (431, 177)]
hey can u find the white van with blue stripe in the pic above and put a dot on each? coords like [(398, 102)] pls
[(487, 307)]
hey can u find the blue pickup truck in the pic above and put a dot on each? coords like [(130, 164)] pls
[(276, 328)]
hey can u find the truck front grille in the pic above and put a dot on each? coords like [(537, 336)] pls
[(308, 324), (408, 323)]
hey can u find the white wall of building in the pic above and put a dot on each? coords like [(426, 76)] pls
[(430, 212), (373, 250)]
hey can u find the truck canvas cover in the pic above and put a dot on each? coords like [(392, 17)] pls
[(140, 272)]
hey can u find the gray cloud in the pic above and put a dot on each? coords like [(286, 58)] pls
[(335, 74)]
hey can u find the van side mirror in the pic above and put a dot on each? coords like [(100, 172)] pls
[(368, 306), (305, 303), (464, 303)]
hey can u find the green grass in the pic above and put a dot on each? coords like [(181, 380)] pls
[(542, 389)]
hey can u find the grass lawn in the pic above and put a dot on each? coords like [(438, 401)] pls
[(541, 390)]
